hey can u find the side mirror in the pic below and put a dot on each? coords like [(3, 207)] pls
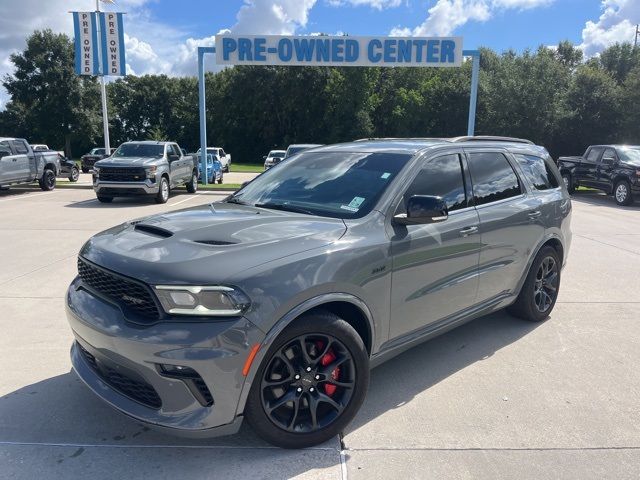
[(173, 157), (423, 209), (4, 154), (609, 160)]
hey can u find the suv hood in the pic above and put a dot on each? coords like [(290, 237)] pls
[(207, 244), (128, 161)]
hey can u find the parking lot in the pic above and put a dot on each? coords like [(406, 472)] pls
[(496, 398)]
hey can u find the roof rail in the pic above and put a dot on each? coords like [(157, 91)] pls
[(491, 138), (398, 138)]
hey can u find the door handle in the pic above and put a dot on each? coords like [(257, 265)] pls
[(465, 232), (535, 214)]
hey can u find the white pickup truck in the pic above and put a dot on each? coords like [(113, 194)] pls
[(223, 157), (20, 164)]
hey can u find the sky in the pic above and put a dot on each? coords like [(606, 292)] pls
[(162, 36)]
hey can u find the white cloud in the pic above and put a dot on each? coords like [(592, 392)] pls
[(377, 4), (616, 24), (447, 15)]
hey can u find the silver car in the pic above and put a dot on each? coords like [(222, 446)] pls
[(273, 304)]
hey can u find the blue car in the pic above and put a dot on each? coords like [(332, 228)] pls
[(214, 170)]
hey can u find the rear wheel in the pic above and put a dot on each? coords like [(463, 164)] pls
[(568, 182), (48, 180), (163, 191), (192, 186), (540, 290), (622, 193), (75, 174), (310, 384), (103, 199)]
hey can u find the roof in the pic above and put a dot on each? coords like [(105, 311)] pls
[(414, 145), (309, 145), (147, 142)]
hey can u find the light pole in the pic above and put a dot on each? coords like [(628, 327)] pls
[(103, 89), (635, 43)]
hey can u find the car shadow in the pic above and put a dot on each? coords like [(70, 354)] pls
[(127, 202), (600, 199), (17, 191), (399, 380)]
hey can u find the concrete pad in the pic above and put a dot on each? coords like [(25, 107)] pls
[(500, 382), (494, 464), (28, 462)]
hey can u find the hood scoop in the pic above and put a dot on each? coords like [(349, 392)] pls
[(214, 242), (153, 230)]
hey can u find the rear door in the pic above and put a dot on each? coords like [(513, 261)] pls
[(511, 223), (7, 163), (586, 172), (435, 266), (605, 169)]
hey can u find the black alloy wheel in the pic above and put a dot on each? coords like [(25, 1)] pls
[(546, 284), (310, 383)]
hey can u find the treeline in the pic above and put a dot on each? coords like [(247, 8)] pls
[(551, 96)]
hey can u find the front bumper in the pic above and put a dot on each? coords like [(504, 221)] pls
[(121, 189), (121, 362)]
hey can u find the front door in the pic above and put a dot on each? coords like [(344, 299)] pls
[(435, 265), (8, 166), (586, 172), (605, 169)]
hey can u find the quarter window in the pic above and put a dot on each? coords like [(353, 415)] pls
[(493, 178), (537, 171), (441, 177)]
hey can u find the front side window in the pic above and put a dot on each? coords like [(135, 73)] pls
[(330, 184), (493, 178), (440, 177), (537, 171), (5, 149), (609, 153)]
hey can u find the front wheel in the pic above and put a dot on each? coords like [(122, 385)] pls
[(103, 199), (85, 169), (48, 180), (622, 193), (540, 290), (163, 191), (75, 174), (192, 186), (220, 179), (311, 383)]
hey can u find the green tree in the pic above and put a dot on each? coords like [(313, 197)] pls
[(49, 102)]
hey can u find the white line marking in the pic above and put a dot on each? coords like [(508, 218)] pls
[(185, 200), (343, 465), (26, 196)]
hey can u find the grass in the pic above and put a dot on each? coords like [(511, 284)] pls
[(224, 186), (247, 167)]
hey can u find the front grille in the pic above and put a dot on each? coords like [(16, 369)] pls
[(125, 174), (136, 389), (121, 192), (135, 296)]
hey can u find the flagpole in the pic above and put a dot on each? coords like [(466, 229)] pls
[(103, 88)]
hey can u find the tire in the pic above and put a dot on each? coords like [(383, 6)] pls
[(568, 182), (192, 186), (326, 338), (103, 199), (163, 191), (220, 180), (622, 193), (226, 169), (48, 180), (85, 169), (527, 305), (75, 175)]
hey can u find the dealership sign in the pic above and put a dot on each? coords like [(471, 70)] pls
[(343, 51), (99, 43)]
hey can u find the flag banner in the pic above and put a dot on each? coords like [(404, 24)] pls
[(112, 33), (86, 43)]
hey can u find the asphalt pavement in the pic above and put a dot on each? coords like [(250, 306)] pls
[(496, 398)]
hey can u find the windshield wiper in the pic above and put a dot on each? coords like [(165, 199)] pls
[(235, 200), (286, 207)]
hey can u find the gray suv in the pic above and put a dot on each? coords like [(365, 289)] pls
[(273, 304)]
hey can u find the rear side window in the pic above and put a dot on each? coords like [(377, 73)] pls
[(594, 154), (440, 177), (493, 178), (20, 147), (537, 171)]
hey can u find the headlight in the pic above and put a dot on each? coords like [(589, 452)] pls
[(201, 300), (151, 172)]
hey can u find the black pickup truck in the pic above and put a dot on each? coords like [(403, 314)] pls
[(614, 169)]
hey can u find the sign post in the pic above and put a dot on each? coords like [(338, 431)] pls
[(99, 44)]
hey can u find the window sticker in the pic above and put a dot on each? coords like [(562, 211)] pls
[(385, 175), (356, 202), (347, 207)]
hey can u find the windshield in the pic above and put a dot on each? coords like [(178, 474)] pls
[(139, 150), (97, 151), (630, 155), (330, 184)]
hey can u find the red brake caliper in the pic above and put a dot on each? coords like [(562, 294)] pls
[(326, 359)]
